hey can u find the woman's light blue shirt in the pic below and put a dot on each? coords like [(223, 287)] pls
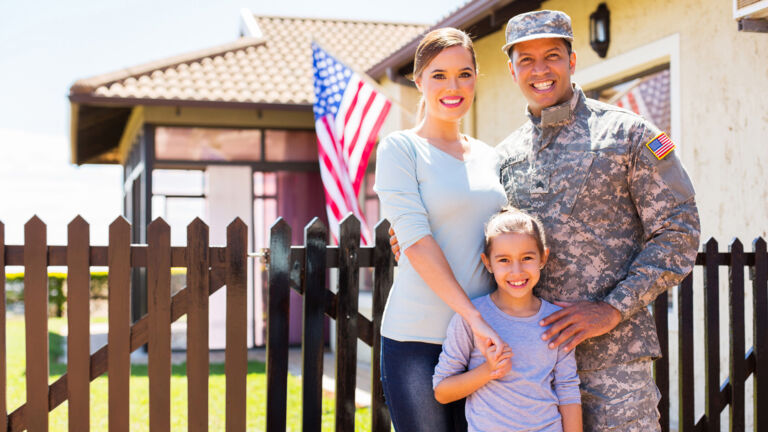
[(424, 191)]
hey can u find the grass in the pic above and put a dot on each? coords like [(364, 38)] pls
[(139, 396)]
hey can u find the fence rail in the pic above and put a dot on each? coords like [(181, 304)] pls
[(304, 269)]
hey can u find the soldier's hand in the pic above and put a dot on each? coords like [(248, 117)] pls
[(394, 245), (579, 321)]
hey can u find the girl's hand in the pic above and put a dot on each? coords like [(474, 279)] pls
[(499, 361)]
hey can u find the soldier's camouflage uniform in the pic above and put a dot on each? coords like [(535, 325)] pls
[(622, 228)]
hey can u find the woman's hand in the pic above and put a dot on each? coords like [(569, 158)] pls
[(485, 336)]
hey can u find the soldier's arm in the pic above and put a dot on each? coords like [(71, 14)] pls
[(665, 202)]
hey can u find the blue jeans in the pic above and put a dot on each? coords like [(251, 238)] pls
[(406, 375)]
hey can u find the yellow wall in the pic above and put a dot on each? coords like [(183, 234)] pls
[(723, 137)]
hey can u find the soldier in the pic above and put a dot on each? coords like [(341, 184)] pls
[(620, 212)]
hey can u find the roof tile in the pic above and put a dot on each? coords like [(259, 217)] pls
[(274, 69)]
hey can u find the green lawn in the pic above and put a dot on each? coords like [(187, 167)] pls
[(256, 390)]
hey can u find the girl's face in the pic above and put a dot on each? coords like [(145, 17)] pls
[(448, 84), (516, 264)]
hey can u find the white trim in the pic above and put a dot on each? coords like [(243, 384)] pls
[(666, 50), (759, 9), (248, 24)]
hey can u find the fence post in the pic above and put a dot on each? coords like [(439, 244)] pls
[(119, 337), (760, 334), (661, 365), (198, 285), (383, 264), (346, 323), (685, 419), (78, 323), (278, 300), (712, 337), (236, 363), (159, 312), (315, 235), (36, 321), (736, 336)]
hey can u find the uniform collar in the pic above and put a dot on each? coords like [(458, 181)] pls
[(558, 115)]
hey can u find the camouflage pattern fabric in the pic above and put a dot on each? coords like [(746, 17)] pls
[(622, 225), (537, 25), (621, 398)]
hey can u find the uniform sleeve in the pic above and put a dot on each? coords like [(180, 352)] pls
[(457, 349), (398, 189), (665, 202), (566, 380)]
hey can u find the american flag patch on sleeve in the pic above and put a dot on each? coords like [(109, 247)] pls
[(660, 146)]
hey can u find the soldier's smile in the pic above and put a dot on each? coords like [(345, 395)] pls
[(542, 69)]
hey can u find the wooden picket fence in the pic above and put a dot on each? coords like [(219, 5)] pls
[(304, 268)]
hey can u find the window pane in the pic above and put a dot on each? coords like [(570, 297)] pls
[(647, 95), (177, 182), (206, 144), (264, 184), (180, 213), (290, 146)]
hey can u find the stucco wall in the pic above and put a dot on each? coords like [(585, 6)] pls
[(723, 137)]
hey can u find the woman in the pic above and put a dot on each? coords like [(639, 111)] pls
[(437, 187)]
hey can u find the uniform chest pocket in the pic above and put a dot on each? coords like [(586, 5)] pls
[(569, 177), (516, 179)]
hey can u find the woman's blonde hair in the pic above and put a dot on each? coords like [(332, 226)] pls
[(432, 44), (514, 220)]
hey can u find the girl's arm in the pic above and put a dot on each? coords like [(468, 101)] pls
[(461, 385), (430, 263), (571, 415)]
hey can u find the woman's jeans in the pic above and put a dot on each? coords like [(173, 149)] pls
[(406, 375)]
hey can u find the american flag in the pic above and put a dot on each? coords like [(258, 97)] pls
[(661, 145), (348, 115), (649, 97)]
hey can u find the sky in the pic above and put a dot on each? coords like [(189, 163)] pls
[(46, 46)]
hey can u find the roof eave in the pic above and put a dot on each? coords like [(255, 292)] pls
[(88, 99), (496, 12)]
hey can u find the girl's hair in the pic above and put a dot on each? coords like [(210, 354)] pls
[(513, 220), (433, 44)]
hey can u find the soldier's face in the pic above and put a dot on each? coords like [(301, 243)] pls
[(542, 69), (516, 263), (448, 84)]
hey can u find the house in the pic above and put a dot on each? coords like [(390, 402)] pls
[(702, 76), (221, 133)]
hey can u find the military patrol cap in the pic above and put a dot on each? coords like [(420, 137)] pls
[(537, 25)]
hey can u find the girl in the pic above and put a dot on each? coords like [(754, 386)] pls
[(436, 186), (537, 389)]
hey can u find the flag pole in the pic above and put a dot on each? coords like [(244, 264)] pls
[(371, 82)]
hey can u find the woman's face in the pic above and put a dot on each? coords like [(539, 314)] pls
[(448, 84)]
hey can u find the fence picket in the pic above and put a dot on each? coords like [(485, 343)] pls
[(277, 325), (383, 264), (685, 364), (236, 363), (711, 338), (346, 323), (36, 321), (198, 262), (78, 323), (760, 334), (737, 374), (159, 312), (3, 358), (119, 337), (315, 235), (661, 365)]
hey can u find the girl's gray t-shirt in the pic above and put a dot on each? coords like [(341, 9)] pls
[(541, 379), (424, 191)]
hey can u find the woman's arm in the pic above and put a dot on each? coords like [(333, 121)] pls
[(571, 415), (428, 260)]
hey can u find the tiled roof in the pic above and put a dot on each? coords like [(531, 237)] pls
[(275, 68)]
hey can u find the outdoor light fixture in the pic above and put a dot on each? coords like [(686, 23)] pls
[(600, 29)]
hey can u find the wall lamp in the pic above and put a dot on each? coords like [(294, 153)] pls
[(600, 29)]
